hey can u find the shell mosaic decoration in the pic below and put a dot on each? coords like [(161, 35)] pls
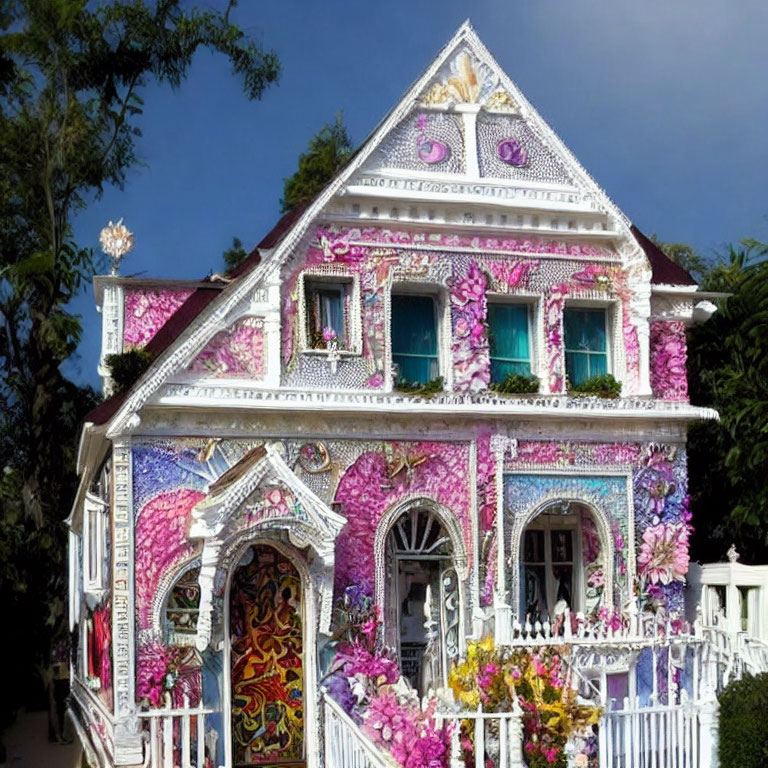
[(511, 152), (116, 240), (429, 150), (467, 82)]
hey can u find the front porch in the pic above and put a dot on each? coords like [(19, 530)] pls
[(655, 684)]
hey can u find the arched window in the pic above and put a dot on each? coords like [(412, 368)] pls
[(422, 597), (562, 564), (183, 608)]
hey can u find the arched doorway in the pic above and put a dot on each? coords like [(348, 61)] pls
[(266, 660), (421, 597), (565, 562)]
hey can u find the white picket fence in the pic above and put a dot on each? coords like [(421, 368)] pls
[(176, 736)]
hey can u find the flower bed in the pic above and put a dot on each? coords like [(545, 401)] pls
[(554, 723)]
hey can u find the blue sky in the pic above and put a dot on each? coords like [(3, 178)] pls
[(665, 102)]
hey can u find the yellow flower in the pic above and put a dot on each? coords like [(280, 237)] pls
[(487, 644)]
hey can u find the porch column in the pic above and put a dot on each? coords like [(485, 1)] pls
[(500, 445)]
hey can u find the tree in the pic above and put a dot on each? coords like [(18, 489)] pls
[(685, 256), (71, 77), (329, 149), (235, 254), (728, 370)]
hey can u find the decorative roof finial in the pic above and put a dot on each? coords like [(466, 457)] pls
[(116, 241), (732, 555)]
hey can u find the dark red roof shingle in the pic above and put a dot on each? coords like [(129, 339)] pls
[(664, 271)]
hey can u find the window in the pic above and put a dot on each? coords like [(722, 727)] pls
[(414, 338), (95, 544), (327, 308), (509, 340), (548, 580), (586, 344)]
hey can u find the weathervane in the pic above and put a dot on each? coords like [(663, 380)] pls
[(116, 241)]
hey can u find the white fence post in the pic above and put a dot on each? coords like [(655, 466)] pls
[(708, 730), (516, 736)]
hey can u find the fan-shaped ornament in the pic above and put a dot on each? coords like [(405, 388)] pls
[(512, 152)]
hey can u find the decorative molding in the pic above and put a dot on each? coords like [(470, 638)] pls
[(128, 742), (214, 517), (201, 329)]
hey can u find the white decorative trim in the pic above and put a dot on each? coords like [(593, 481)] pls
[(182, 351), (230, 395), (128, 743), (607, 547), (393, 514), (211, 520)]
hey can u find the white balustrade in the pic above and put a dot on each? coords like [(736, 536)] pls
[(345, 744), (176, 737)]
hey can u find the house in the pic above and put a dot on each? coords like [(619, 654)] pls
[(382, 404)]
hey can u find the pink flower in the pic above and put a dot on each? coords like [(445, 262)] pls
[(596, 579), (663, 554), (329, 334)]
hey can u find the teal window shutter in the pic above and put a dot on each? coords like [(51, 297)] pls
[(586, 344), (414, 338), (509, 342)]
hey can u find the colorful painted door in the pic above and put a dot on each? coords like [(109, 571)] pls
[(266, 666)]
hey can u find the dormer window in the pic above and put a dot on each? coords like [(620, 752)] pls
[(415, 338), (327, 312), (586, 343), (509, 339)]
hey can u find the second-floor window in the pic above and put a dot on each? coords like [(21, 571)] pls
[(586, 343), (509, 340), (327, 312), (415, 338)]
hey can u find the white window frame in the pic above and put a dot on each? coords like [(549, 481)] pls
[(612, 329), (555, 523), (95, 519), (353, 319), (532, 304), (442, 324)]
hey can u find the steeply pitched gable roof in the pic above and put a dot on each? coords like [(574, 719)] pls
[(664, 271), (293, 227)]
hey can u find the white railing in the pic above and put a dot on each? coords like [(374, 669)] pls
[(345, 744), (176, 737), (497, 735), (651, 737)]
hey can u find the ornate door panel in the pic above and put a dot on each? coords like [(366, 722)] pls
[(266, 661)]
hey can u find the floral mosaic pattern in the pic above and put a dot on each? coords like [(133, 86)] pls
[(161, 543), (662, 519), (237, 352), (469, 309), (166, 675), (486, 500), (592, 278), (668, 360), (146, 312), (380, 479)]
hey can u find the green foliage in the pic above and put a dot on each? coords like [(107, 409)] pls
[(126, 367), (329, 149), (685, 256), (71, 76), (728, 370), (516, 384), (431, 388), (743, 726), (235, 255), (603, 385)]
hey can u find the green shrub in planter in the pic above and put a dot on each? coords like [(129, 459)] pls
[(125, 368), (516, 384), (434, 387), (603, 385), (743, 723)]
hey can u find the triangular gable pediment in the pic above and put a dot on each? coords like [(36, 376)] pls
[(501, 98), (261, 493)]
